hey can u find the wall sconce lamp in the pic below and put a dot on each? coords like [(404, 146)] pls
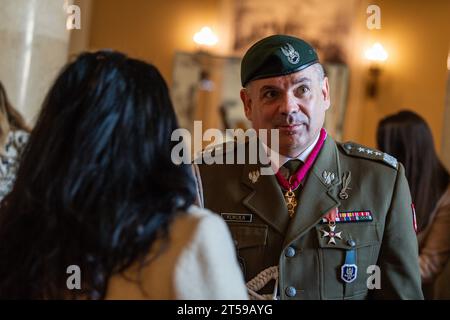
[(376, 55), (448, 61), (205, 38)]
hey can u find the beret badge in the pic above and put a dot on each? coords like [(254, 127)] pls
[(291, 54)]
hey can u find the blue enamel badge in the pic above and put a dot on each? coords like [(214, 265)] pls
[(349, 272)]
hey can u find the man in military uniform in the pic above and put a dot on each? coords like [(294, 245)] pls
[(336, 221)]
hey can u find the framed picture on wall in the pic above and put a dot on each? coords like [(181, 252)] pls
[(206, 88), (325, 24)]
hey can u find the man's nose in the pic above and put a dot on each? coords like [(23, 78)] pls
[(288, 104)]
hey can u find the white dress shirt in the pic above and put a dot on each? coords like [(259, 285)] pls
[(277, 160)]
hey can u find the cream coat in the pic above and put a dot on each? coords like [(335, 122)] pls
[(198, 263)]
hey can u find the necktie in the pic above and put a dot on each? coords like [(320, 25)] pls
[(291, 167)]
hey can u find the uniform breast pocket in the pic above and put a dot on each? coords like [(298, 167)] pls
[(250, 241), (345, 253)]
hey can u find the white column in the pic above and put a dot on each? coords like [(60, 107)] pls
[(33, 48)]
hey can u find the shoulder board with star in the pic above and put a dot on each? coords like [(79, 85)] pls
[(361, 151)]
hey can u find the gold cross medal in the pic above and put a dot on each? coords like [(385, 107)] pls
[(290, 184), (291, 202)]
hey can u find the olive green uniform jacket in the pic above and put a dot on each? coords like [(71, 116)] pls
[(310, 266)]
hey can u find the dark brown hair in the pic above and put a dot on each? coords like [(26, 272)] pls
[(96, 186), (407, 137)]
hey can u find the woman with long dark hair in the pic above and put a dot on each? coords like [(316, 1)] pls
[(14, 134), (407, 137), (97, 193)]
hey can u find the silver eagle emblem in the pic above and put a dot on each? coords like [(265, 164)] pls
[(291, 54)]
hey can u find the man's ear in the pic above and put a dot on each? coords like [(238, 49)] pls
[(247, 103), (326, 92)]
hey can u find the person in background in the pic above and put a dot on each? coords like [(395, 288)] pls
[(97, 192), (407, 136), (14, 134)]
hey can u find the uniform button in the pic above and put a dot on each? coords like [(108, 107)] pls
[(290, 252), (351, 243), (291, 292)]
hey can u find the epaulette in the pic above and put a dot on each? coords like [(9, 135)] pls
[(361, 151)]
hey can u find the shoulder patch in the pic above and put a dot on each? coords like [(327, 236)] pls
[(361, 151)]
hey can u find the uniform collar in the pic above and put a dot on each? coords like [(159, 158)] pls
[(277, 160)]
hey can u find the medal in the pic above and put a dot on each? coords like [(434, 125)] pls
[(289, 195), (331, 233), (291, 202)]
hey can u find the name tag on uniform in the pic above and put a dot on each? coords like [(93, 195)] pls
[(352, 216), (237, 217)]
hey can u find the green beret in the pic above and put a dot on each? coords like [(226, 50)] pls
[(276, 55)]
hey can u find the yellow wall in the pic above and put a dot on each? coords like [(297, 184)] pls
[(416, 35), (151, 29)]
